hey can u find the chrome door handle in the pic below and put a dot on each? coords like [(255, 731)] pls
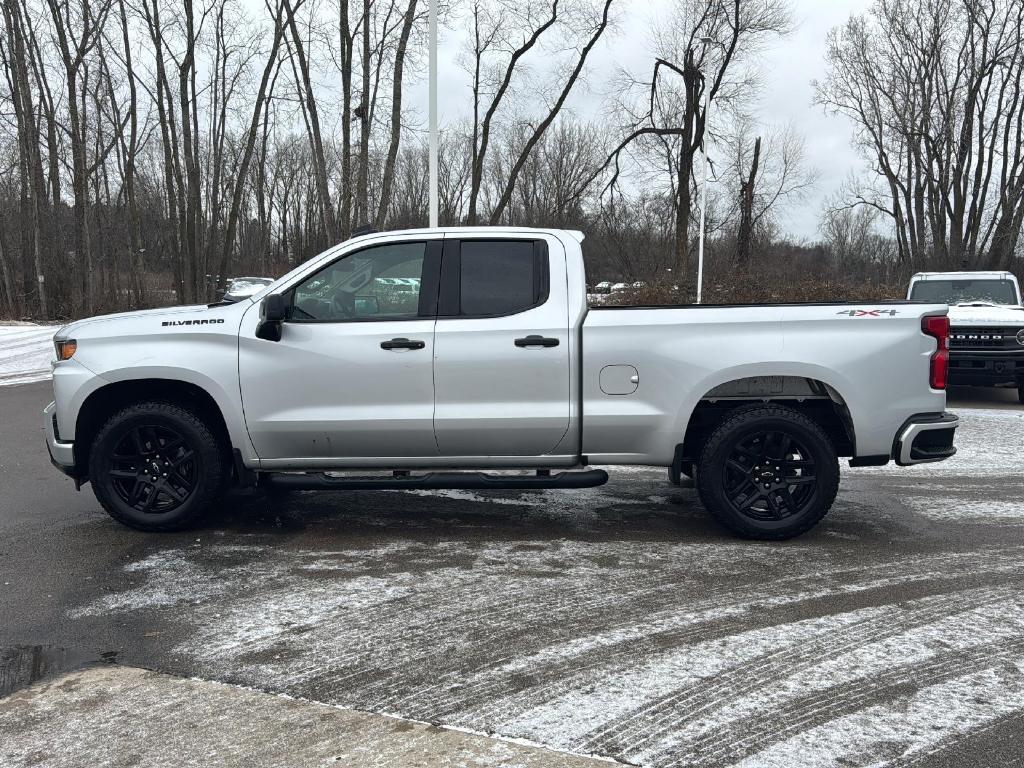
[(403, 343), (537, 341)]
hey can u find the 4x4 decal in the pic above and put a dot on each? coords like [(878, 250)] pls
[(868, 312)]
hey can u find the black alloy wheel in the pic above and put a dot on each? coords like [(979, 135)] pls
[(770, 476), (153, 469)]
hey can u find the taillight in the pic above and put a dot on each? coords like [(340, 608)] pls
[(938, 329)]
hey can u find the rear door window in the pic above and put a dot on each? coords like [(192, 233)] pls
[(492, 278)]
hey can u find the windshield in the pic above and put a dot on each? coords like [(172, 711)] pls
[(988, 291)]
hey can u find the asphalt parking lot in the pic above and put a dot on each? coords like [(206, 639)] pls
[(617, 622)]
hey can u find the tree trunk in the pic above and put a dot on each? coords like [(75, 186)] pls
[(745, 234), (280, 23), (683, 204), (316, 142), (396, 115), (346, 42), (363, 113)]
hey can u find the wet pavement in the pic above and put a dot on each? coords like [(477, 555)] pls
[(618, 621)]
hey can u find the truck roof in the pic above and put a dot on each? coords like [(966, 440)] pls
[(575, 234), (982, 274)]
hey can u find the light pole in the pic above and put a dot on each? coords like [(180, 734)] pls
[(704, 182), (432, 114)]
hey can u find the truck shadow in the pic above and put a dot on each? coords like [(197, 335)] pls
[(630, 510), (666, 512)]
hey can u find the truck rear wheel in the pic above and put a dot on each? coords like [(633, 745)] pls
[(768, 472), (156, 466)]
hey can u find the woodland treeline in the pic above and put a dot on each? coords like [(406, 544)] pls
[(152, 149)]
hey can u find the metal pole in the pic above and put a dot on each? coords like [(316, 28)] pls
[(703, 200), (432, 118)]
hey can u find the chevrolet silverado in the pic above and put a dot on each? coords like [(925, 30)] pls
[(468, 358)]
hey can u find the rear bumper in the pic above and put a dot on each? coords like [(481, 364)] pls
[(62, 454), (926, 438)]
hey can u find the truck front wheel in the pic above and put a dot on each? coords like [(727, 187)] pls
[(156, 466), (768, 472)]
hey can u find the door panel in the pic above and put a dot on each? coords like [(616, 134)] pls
[(494, 397), (340, 383)]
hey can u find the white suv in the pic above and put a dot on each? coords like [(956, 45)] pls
[(986, 325)]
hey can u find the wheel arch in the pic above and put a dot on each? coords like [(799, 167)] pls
[(104, 402), (816, 399)]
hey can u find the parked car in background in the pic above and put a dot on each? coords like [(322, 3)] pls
[(986, 316), (430, 358), (239, 288), (619, 287)]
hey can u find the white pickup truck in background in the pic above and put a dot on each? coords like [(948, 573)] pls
[(432, 358), (986, 325)]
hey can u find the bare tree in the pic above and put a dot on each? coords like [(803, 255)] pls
[(934, 88), (311, 114), (762, 176), (29, 161), (703, 47), (503, 36), (855, 244), (497, 35), (282, 16), (396, 112), (537, 132)]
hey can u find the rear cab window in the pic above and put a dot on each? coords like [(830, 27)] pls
[(493, 278)]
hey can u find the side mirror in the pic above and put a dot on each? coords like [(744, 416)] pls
[(272, 312)]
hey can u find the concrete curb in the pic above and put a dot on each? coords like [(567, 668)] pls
[(123, 716)]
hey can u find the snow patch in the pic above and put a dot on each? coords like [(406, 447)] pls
[(964, 510), (931, 716), (26, 352)]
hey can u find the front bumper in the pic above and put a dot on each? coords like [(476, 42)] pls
[(62, 454), (986, 368), (926, 438)]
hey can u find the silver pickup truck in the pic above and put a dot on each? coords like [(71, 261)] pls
[(432, 358)]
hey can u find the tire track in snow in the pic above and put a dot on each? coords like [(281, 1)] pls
[(949, 703), (473, 619), (775, 718), (508, 688), (955, 746), (802, 651), (399, 672), (711, 697), (477, 636)]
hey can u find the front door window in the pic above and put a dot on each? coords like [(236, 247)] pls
[(384, 282)]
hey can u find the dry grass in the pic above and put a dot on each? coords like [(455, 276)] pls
[(747, 289)]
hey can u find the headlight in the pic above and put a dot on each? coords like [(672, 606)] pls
[(65, 348)]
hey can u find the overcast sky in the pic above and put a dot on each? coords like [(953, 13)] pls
[(789, 68)]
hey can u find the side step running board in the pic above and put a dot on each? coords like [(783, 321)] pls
[(435, 481)]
